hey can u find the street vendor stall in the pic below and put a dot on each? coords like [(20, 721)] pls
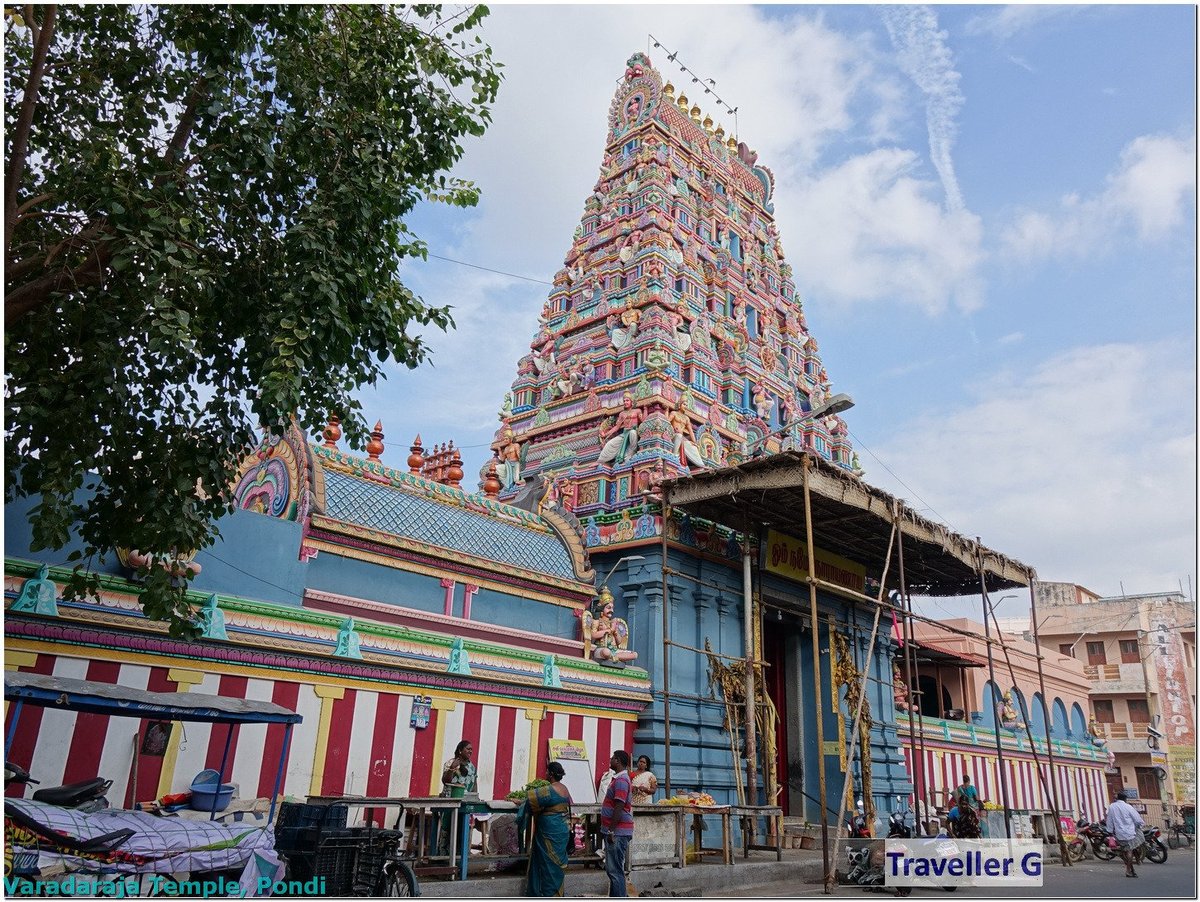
[(47, 842)]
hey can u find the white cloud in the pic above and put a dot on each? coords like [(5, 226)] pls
[(1084, 467), (1018, 61), (925, 57), (873, 231), (1005, 22), (1011, 338), (1151, 190)]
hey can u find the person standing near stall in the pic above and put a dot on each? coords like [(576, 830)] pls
[(548, 808), (643, 781), (458, 778), (616, 823)]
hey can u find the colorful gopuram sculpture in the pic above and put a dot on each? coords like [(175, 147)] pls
[(673, 338)]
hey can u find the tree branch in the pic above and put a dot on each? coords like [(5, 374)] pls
[(20, 143), (28, 297)]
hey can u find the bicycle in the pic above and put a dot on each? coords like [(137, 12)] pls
[(396, 876), (1178, 837)]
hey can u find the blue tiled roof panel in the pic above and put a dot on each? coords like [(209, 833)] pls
[(407, 514)]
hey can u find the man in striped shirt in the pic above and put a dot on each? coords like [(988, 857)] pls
[(616, 823)]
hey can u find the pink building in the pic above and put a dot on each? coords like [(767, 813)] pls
[(961, 708)]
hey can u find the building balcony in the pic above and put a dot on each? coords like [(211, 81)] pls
[(1126, 738), (1116, 678)]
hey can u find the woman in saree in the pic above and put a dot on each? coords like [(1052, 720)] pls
[(548, 809)]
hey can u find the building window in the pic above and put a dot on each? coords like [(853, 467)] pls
[(1148, 783), (1129, 651), (631, 146), (1095, 652), (1104, 710), (1139, 710), (1067, 649), (624, 209)]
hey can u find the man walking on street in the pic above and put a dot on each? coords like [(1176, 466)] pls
[(1124, 823), (616, 823)]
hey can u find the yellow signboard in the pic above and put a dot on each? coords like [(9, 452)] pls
[(788, 557)]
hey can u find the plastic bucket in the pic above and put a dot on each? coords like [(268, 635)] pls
[(457, 792), (202, 797)]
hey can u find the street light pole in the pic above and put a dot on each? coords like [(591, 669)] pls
[(836, 404)]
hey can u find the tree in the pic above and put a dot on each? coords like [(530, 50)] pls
[(203, 230)]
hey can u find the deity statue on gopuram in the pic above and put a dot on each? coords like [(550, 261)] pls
[(673, 339)]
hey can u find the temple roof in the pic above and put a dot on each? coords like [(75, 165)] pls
[(447, 523), (421, 514)]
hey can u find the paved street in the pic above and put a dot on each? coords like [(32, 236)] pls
[(1089, 879)]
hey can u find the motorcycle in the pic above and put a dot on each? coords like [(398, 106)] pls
[(1153, 846), (1098, 837), (863, 873), (85, 796)]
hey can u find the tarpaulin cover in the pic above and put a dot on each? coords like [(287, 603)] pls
[(157, 845)]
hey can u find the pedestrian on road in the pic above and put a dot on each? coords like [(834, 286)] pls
[(616, 823), (1124, 823)]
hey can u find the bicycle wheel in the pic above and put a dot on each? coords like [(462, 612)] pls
[(397, 880)]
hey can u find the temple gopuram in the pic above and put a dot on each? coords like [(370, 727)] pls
[(674, 338)]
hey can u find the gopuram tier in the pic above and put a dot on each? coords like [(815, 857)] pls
[(673, 339)]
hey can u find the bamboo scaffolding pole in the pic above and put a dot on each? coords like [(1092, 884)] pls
[(705, 651), (696, 579), (1012, 675), (1054, 800), (906, 604), (995, 702), (818, 694), (837, 840)]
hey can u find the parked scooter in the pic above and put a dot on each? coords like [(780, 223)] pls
[(85, 796), (897, 827)]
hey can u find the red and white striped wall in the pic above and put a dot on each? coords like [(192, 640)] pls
[(353, 740), (1081, 785)]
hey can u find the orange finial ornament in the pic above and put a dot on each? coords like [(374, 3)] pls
[(454, 474), (491, 483), (416, 459), (375, 445), (333, 432)]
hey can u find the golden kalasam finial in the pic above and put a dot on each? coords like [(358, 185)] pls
[(720, 133), (731, 143), (695, 113), (669, 91), (708, 124), (683, 102)]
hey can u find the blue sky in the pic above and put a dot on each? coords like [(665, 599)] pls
[(991, 216)]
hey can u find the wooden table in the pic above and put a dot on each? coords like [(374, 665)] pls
[(698, 813), (748, 814)]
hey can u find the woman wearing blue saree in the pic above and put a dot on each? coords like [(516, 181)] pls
[(548, 809)]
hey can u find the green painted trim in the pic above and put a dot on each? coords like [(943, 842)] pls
[(307, 616)]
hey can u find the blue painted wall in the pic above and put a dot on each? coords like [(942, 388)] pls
[(701, 757), (255, 557)]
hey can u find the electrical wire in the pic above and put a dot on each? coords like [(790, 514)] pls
[(511, 275)]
